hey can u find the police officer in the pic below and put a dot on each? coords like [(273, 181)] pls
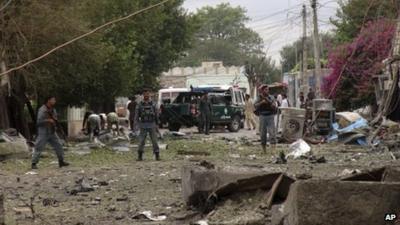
[(205, 109), (46, 124), (146, 119)]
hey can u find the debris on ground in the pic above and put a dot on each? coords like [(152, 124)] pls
[(148, 215), (298, 149), (281, 158), (13, 143), (82, 185), (314, 159)]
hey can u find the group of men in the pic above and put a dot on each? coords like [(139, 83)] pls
[(94, 123), (144, 118)]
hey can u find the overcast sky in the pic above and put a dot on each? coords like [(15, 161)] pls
[(277, 21)]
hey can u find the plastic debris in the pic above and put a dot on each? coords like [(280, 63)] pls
[(298, 149)]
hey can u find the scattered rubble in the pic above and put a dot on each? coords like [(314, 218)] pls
[(13, 143), (148, 215)]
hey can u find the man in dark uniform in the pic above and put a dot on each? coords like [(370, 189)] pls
[(205, 109), (146, 119), (46, 125)]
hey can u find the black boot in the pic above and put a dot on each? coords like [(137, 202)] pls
[(34, 166), (62, 163), (140, 156), (157, 156)]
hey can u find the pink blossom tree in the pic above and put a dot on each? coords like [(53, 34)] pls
[(354, 64)]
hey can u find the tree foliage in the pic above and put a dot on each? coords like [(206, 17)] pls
[(355, 63), (221, 35), (353, 14), (291, 55)]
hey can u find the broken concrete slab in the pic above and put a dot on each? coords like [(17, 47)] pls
[(198, 182), (201, 187), (13, 144), (383, 174), (315, 202)]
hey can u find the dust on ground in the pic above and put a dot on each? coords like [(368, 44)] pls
[(123, 187)]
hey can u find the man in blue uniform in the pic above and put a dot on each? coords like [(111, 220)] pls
[(146, 119)]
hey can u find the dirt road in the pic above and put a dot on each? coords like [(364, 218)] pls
[(123, 187)]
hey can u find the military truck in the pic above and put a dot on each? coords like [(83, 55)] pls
[(227, 108)]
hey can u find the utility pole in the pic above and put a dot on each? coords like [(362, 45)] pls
[(304, 76), (317, 50)]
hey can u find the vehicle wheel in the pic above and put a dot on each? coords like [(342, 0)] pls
[(174, 126), (234, 126)]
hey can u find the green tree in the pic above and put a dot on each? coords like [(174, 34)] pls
[(142, 47), (291, 55), (352, 15), (93, 70), (221, 35)]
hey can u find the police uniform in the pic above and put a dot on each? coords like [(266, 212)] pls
[(205, 109), (47, 134), (147, 119)]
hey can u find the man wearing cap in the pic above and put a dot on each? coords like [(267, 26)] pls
[(146, 119), (266, 108)]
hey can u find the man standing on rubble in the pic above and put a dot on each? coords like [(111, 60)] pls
[(46, 127), (205, 109), (146, 119), (266, 108)]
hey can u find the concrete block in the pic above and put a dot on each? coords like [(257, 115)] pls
[(324, 202), (198, 182)]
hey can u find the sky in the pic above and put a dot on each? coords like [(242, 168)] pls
[(278, 22)]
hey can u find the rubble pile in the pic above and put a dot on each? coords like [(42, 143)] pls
[(248, 196)]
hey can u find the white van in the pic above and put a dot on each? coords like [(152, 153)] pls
[(168, 95)]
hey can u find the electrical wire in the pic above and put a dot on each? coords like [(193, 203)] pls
[(5, 5), (83, 36)]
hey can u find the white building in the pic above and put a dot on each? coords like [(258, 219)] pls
[(209, 73)]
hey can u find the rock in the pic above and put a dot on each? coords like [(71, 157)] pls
[(50, 202), (314, 159), (303, 176), (338, 202), (119, 217), (103, 183), (85, 186), (112, 208), (122, 198), (207, 164)]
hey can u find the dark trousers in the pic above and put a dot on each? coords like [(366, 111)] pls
[(153, 136), (204, 123), (41, 142)]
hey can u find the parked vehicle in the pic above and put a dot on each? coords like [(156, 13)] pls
[(227, 108), (165, 97)]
